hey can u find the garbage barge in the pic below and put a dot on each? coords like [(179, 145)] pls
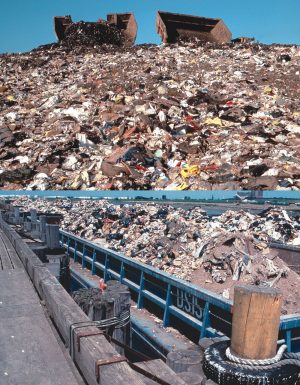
[(195, 308)]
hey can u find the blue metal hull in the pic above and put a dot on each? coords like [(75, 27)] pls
[(197, 311)]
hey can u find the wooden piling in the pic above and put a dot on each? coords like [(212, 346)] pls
[(33, 214), (52, 236), (16, 215), (99, 305), (34, 230), (255, 324), (43, 220)]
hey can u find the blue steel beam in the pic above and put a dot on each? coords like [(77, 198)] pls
[(163, 304), (205, 295)]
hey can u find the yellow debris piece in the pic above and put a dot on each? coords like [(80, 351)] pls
[(268, 90), (189, 171), (118, 98), (182, 186), (213, 122)]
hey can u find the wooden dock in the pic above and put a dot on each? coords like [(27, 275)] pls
[(30, 353), (39, 320)]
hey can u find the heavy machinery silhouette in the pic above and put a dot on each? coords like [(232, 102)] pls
[(124, 22), (174, 26)]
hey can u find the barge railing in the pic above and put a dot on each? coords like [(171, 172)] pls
[(175, 301), (208, 313)]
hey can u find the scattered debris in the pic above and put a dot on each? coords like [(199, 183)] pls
[(91, 34), (182, 112), (215, 253)]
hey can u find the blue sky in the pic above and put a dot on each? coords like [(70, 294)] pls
[(217, 194), (25, 24)]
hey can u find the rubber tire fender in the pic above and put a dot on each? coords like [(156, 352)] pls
[(218, 368)]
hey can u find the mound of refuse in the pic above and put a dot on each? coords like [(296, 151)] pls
[(227, 259), (149, 117), (92, 34), (271, 225), (215, 253)]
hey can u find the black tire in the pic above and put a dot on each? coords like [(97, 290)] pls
[(218, 368)]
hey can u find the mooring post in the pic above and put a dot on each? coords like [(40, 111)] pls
[(16, 217), (33, 214), (26, 223), (255, 323), (43, 220), (33, 218), (21, 220), (104, 304), (11, 214), (52, 236)]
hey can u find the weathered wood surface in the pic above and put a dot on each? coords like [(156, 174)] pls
[(29, 352), (65, 312), (192, 378), (8, 256), (185, 360), (255, 323), (161, 370), (52, 236)]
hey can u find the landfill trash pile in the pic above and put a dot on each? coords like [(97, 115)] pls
[(91, 34), (226, 259), (150, 117), (215, 253), (271, 225)]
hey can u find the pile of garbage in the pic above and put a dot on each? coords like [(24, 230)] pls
[(270, 225), (92, 34), (150, 117), (215, 253), (226, 259)]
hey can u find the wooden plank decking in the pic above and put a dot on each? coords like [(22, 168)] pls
[(8, 255), (29, 351)]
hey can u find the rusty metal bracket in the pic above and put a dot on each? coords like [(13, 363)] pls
[(86, 334), (107, 361)]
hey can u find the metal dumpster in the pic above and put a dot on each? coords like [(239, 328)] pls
[(124, 21), (174, 26), (127, 23)]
